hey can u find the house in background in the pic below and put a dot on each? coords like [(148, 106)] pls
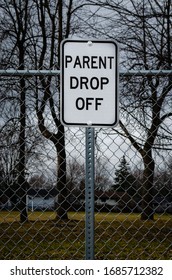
[(47, 199), (41, 199), (115, 201)]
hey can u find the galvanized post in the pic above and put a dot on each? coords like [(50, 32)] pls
[(89, 194)]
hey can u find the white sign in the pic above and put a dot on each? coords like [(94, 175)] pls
[(89, 83)]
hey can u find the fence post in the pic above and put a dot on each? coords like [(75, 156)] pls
[(89, 194)]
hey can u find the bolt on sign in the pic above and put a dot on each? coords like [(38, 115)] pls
[(89, 83)]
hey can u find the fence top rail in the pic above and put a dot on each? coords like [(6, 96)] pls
[(145, 72), (15, 72)]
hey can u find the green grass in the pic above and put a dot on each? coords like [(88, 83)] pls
[(117, 236)]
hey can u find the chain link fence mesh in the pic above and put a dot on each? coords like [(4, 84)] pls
[(42, 172)]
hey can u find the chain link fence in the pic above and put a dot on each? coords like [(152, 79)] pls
[(42, 171)]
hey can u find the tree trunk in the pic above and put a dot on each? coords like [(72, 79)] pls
[(147, 188), (22, 156), (23, 202), (62, 206)]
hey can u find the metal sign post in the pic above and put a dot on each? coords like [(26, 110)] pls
[(89, 194)]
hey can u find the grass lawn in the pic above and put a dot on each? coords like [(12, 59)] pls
[(117, 236)]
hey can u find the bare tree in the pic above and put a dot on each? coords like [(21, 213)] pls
[(143, 29), (51, 14), (34, 30), (19, 18), (75, 174)]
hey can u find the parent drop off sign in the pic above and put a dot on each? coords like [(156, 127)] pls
[(89, 83)]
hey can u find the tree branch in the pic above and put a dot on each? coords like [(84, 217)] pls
[(132, 140)]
